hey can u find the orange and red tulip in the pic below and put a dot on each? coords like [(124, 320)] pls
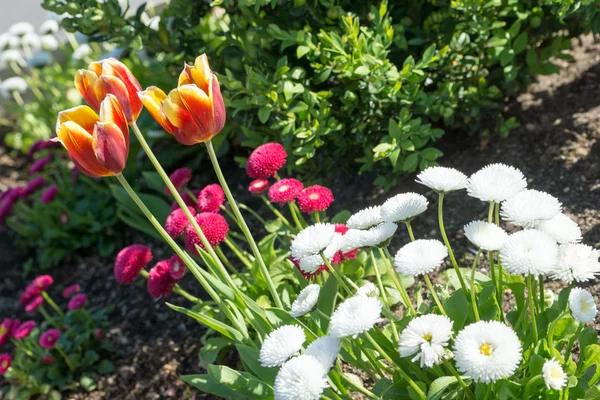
[(97, 144), (110, 76), (193, 112)]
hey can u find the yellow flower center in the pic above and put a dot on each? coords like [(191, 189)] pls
[(4, 364), (427, 337), (3, 331), (283, 188), (556, 373), (585, 306), (313, 196), (486, 349)]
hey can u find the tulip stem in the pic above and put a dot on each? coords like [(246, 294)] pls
[(243, 225), (447, 243), (53, 304)]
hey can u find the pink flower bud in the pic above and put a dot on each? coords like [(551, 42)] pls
[(77, 301)]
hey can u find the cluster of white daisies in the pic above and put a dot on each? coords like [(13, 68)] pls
[(486, 351)]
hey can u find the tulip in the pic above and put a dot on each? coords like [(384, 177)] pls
[(98, 145), (110, 76), (193, 112)]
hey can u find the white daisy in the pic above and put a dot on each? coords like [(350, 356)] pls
[(306, 300), (365, 218), (487, 351), (528, 207), (426, 337), (576, 262), (378, 235), (9, 56), (368, 289), (420, 257), (529, 252), (49, 43), (14, 42), (49, 26), (485, 235), (403, 207), (562, 228), (354, 316), (310, 264), (301, 378), (496, 182), (312, 240), (554, 376), (352, 239), (82, 51), (281, 344), (442, 179), (582, 305), (4, 40), (325, 349), (21, 28), (31, 40), (12, 84)]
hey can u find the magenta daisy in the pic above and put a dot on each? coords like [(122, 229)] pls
[(49, 338), (266, 160), (284, 191), (130, 261), (77, 301), (180, 178), (314, 198), (213, 225), (211, 198)]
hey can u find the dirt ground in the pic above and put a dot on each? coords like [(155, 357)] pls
[(556, 147)]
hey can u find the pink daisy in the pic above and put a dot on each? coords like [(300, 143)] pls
[(24, 329), (258, 186), (314, 198), (130, 261), (211, 198), (33, 185), (71, 290), (160, 282), (306, 275), (285, 191), (5, 361), (31, 292), (266, 160), (34, 304), (180, 178), (215, 229), (176, 267), (77, 301), (43, 282), (49, 338), (177, 222), (7, 329)]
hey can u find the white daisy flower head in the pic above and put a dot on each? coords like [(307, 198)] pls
[(325, 349), (4, 40), (281, 344), (31, 40), (442, 179), (12, 84), (354, 316), (378, 235), (528, 207), (487, 351), (426, 338), (49, 26), (9, 56), (368, 289), (529, 252), (336, 245), (582, 305), (420, 257), (554, 376), (365, 218), (485, 235), (21, 28), (576, 262), (306, 300), (403, 207), (312, 240), (549, 297), (562, 228), (496, 182), (353, 239), (301, 378), (49, 43), (310, 264), (14, 42), (82, 51)]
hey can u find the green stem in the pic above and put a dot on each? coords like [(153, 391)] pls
[(64, 355), (473, 289), (385, 255), (434, 295), (295, 216), (410, 231), (542, 300), (253, 213), (468, 392), (231, 267), (339, 276), (48, 317), (276, 212), (53, 304), (233, 247), (358, 387), (447, 243), (569, 348), (243, 226), (22, 348), (317, 217), (183, 293), (532, 307), (383, 294)]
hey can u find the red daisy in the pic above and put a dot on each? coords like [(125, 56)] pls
[(211, 198), (215, 229), (180, 178), (285, 190), (130, 261), (266, 160), (160, 283), (314, 198), (176, 267), (258, 186), (177, 222)]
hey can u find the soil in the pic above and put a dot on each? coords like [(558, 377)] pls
[(556, 147)]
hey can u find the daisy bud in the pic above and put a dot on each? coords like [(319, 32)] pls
[(24, 329), (71, 290), (303, 377), (420, 257), (325, 349), (368, 289), (529, 206), (176, 267), (366, 218), (34, 304), (314, 198), (281, 344), (582, 305), (354, 316), (306, 300), (549, 297), (33, 185), (49, 338), (48, 359), (211, 198), (40, 164), (426, 338), (285, 191), (266, 160), (43, 282), (160, 283), (177, 222), (485, 235), (258, 186), (130, 261), (562, 229), (5, 361), (403, 207), (312, 240), (496, 183), (554, 376), (49, 194), (77, 302), (529, 252), (180, 178), (442, 179), (213, 225), (576, 262)]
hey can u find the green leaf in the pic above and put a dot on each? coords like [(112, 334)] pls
[(205, 384), (154, 181), (227, 376), (458, 308), (263, 114), (363, 70), (565, 328), (439, 386), (520, 43), (394, 130), (326, 301), (388, 390), (488, 304), (218, 326), (250, 357), (87, 383), (411, 162), (341, 217), (301, 51), (591, 357), (210, 350), (587, 337), (105, 367)]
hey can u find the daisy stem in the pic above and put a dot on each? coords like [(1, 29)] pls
[(21, 347), (453, 371), (434, 295), (317, 217), (253, 213), (358, 387), (385, 255), (243, 226), (339, 276), (295, 216), (569, 348), (64, 355), (473, 290), (542, 299), (489, 391), (176, 289), (410, 231), (389, 359), (238, 253), (276, 212), (230, 266), (447, 243), (530, 285), (383, 294), (53, 304), (48, 317)]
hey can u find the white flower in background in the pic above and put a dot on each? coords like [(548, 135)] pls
[(12, 84), (325, 349), (529, 206), (21, 28), (562, 228), (529, 252), (14, 42), (301, 378), (426, 338), (49, 43), (49, 26), (548, 297), (81, 52), (310, 264), (368, 289), (11, 55), (420, 257), (306, 300), (31, 41), (39, 59), (281, 344), (576, 262), (582, 305), (442, 179), (378, 235), (4, 40), (487, 351), (354, 316), (312, 240), (365, 218), (554, 376), (496, 182), (485, 235), (150, 22), (353, 239), (403, 207)]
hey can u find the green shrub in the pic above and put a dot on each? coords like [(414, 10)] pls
[(367, 85)]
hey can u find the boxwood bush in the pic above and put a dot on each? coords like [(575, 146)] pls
[(366, 85)]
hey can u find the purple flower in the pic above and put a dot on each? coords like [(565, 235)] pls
[(33, 185), (77, 301), (49, 194), (40, 164), (24, 329), (49, 338), (74, 175)]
